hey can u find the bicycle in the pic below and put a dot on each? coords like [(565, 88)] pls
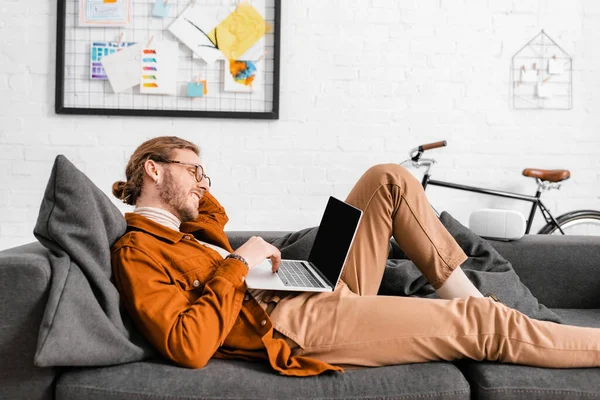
[(572, 221)]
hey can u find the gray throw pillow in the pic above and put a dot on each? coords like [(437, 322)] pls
[(84, 323), (485, 267)]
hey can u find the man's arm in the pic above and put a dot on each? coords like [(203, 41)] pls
[(210, 210), (188, 334)]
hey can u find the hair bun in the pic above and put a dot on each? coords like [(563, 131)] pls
[(119, 190)]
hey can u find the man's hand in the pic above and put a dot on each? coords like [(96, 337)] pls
[(256, 250)]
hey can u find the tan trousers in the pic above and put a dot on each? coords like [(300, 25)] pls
[(352, 326)]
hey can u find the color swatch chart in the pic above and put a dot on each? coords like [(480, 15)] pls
[(149, 69), (99, 50)]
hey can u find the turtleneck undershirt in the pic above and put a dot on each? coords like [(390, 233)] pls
[(160, 216)]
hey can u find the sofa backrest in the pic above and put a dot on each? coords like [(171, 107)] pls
[(561, 271)]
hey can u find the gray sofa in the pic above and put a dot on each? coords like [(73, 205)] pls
[(562, 272)]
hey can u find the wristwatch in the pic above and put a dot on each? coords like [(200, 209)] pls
[(238, 257)]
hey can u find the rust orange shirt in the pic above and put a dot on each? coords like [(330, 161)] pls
[(189, 302)]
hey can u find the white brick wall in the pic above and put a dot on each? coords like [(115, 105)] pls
[(362, 83)]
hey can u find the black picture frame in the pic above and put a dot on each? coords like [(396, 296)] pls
[(60, 107)]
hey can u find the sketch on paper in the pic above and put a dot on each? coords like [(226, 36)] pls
[(219, 33), (191, 27), (103, 13)]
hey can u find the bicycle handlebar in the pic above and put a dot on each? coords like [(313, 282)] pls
[(415, 154), (430, 146)]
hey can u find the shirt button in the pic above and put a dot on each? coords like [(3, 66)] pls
[(263, 322), (247, 297), (196, 283)]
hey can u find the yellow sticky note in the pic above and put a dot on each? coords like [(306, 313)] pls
[(239, 31)]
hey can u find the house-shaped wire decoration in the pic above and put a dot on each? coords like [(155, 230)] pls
[(542, 76)]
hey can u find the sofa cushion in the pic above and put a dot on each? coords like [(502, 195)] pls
[(485, 267), (497, 381), (229, 379), (84, 322)]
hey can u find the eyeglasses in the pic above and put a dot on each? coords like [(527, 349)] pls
[(198, 174)]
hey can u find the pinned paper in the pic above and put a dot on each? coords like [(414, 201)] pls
[(160, 9), (197, 89), (555, 67), (256, 51), (192, 28), (123, 68), (252, 53), (104, 13), (100, 50), (237, 33), (158, 68), (242, 76), (543, 91), (242, 72), (529, 75)]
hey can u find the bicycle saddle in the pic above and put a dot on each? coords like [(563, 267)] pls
[(551, 175)]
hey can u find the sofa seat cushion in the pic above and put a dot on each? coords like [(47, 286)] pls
[(230, 379), (507, 382)]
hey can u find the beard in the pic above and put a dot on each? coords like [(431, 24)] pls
[(176, 199)]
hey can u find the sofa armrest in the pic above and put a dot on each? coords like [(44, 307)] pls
[(24, 286)]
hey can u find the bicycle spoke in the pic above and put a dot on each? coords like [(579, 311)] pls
[(580, 227)]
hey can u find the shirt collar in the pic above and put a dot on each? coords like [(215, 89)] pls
[(154, 228)]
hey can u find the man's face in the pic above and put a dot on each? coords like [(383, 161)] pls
[(179, 190)]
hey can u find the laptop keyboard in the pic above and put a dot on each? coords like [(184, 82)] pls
[(296, 274)]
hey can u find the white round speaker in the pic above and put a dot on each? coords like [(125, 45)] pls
[(497, 224)]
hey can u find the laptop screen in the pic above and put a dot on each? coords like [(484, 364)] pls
[(334, 237)]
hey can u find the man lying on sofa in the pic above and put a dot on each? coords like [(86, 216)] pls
[(185, 286)]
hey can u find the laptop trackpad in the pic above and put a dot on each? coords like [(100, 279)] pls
[(261, 276)]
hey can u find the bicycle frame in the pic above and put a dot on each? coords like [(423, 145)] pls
[(535, 200)]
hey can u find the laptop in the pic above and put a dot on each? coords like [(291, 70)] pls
[(328, 255)]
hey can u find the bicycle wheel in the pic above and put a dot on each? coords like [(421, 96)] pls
[(582, 222)]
